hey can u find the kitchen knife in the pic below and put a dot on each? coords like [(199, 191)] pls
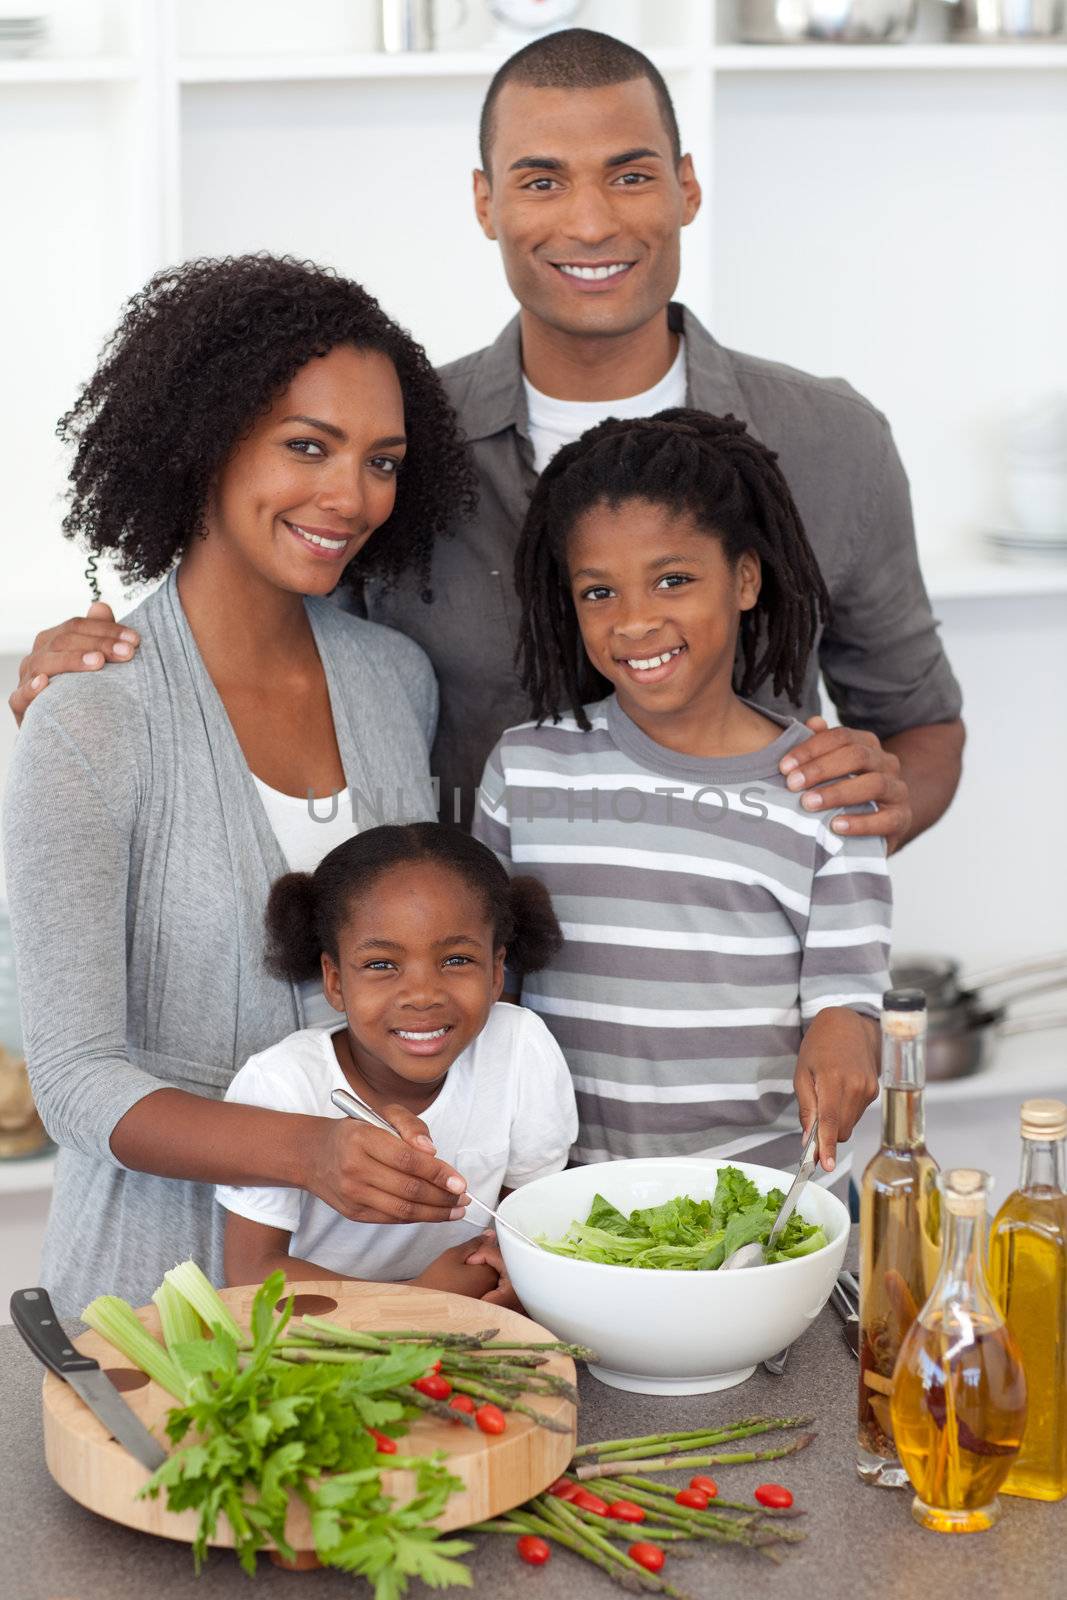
[(33, 1316)]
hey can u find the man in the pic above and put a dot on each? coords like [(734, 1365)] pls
[(584, 186)]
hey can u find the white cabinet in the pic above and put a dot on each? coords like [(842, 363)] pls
[(895, 214)]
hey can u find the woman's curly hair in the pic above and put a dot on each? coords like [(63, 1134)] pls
[(199, 354)]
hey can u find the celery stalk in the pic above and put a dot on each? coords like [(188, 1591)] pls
[(180, 1323), (201, 1294), (116, 1321)]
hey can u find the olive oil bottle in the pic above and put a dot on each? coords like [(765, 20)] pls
[(1028, 1274), (900, 1241), (959, 1394)]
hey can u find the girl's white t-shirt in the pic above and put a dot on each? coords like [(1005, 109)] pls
[(553, 423), (504, 1116)]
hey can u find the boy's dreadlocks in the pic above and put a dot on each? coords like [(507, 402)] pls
[(688, 461)]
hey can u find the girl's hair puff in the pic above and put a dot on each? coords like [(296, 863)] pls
[(731, 484), (306, 911)]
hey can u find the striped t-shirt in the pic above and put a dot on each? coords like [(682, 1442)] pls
[(707, 917)]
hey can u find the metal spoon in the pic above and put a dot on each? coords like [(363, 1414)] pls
[(753, 1255), (360, 1111)]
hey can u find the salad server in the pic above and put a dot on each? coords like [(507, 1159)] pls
[(352, 1106), (753, 1255)]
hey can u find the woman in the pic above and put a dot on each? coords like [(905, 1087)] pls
[(252, 423)]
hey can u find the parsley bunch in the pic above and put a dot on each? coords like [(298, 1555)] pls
[(263, 1430)]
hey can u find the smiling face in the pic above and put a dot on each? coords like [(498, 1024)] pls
[(659, 607), (304, 490), (587, 204), (417, 972)]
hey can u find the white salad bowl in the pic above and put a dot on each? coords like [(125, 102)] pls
[(666, 1332)]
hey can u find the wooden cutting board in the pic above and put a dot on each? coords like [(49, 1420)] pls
[(498, 1472)]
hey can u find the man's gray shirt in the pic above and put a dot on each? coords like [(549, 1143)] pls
[(879, 653)]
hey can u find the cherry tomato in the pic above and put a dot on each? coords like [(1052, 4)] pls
[(706, 1486), (625, 1511), (533, 1550), (695, 1499), (775, 1496), (586, 1500), (564, 1489), (435, 1368), (649, 1556), (490, 1419), (384, 1445), (433, 1386), (462, 1402)]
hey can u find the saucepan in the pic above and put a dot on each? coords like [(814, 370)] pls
[(963, 1014), (826, 21), (996, 20)]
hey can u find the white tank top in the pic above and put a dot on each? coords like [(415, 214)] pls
[(305, 833)]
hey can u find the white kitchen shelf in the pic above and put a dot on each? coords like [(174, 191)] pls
[(370, 64), (31, 1176), (34, 70), (889, 58), (973, 575)]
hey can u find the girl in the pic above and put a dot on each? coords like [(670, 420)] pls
[(407, 928), (724, 950), (251, 425)]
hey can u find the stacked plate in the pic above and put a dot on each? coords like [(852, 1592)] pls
[(21, 35), (1028, 547)]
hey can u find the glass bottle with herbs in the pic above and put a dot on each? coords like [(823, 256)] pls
[(899, 1231), (1028, 1274), (959, 1393)]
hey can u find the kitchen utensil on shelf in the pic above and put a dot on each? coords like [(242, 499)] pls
[(826, 21), (961, 1013), (414, 25), (33, 1316), (753, 1255), (994, 21), (352, 1106), (495, 1473), (667, 1332), (21, 35)]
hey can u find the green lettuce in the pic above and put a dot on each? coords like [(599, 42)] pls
[(685, 1234)]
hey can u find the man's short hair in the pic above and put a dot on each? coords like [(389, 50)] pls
[(576, 58)]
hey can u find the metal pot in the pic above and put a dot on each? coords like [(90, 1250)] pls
[(826, 21), (961, 1016), (993, 20)]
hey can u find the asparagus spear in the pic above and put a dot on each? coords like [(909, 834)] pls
[(682, 1443), (669, 1463)]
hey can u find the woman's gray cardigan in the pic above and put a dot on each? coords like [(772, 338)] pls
[(139, 858)]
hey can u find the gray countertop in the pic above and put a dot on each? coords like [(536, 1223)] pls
[(861, 1542)]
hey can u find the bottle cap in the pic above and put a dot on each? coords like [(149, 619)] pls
[(965, 1190), (904, 1000), (1044, 1119)]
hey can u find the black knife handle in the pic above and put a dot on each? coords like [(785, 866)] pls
[(33, 1316)]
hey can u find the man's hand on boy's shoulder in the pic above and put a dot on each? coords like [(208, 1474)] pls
[(911, 777), (836, 1075), (81, 644), (850, 767)]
